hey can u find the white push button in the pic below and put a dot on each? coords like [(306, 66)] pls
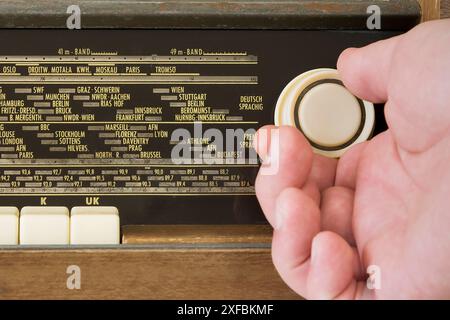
[(44, 226), (94, 225), (329, 115), (9, 226), (318, 104)]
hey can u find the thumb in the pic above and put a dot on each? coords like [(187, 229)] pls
[(366, 71), (411, 73)]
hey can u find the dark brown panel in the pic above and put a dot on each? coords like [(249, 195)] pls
[(295, 14), (445, 9)]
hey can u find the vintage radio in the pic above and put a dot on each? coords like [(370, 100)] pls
[(114, 138)]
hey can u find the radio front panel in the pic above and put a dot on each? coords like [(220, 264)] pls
[(95, 117)]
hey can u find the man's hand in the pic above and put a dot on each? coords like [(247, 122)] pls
[(386, 202)]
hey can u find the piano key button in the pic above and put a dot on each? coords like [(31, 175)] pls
[(9, 226), (94, 226), (44, 226)]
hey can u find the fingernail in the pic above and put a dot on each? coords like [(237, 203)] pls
[(262, 144), (314, 250), (264, 156), (265, 159), (280, 216)]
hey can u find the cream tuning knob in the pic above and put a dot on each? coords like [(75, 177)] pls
[(330, 117)]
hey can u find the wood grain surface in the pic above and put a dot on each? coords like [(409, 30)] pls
[(430, 9), (142, 273), (175, 234), (177, 262)]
